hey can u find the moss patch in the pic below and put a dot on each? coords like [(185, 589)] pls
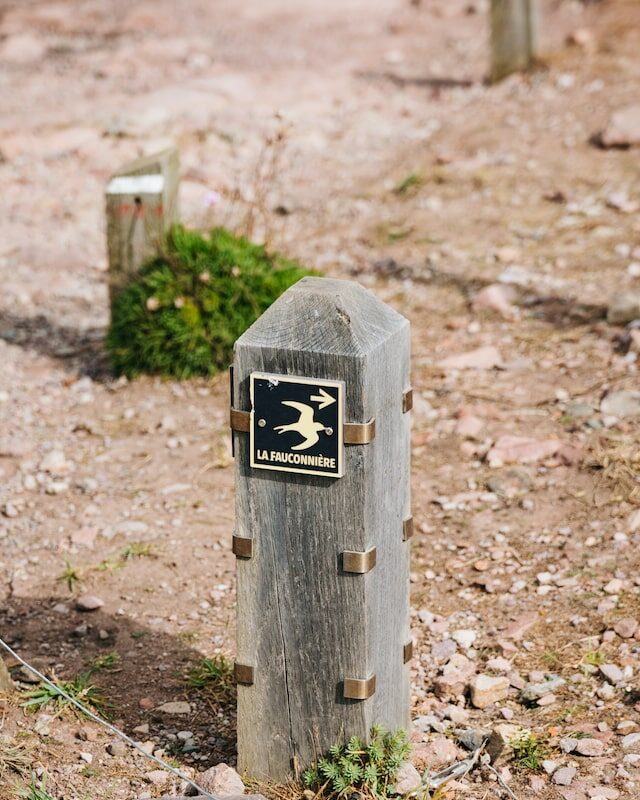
[(181, 317)]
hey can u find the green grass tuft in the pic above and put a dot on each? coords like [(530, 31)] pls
[(181, 317), (212, 677), (528, 751), (79, 688), (360, 769), (37, 790)]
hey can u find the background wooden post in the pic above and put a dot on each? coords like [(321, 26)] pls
[(141, 205), (306, 627), (514, 34)]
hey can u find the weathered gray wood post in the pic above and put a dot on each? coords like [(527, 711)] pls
[(322, 550), (514, 36), (141, 205)]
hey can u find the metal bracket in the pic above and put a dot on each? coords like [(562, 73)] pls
[(243, 674), (242, 546), (353, 432), (407, 652), (407, 529), (407, 400), (353, 561), (356, 689)]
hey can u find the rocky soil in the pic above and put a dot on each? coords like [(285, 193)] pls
[(503, 221)]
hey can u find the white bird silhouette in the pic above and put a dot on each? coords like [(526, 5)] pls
[(306, 426)]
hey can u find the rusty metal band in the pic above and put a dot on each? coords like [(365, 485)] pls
[(353, 432), (407, 653), (239, 420), (356, 689), (243, 674), (358, 562), (407, 529), (242, 546), (407, 400)]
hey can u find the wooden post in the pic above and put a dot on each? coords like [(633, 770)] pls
[(6, 684), (322, 562), (514, 34), (141, 205)]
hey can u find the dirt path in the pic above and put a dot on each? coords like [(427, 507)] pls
[(397, 167)]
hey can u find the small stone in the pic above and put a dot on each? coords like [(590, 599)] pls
[(612, 673), (157, 777), (623, 129), (549, 766), (593, 748), (437, 752), (547, 700), (221, 780), (456, 714), (184, 735), (623, 403), (564, 776), (407, 780), (54, 463), (175, 707), (429, 722), (630, 741), (499, 664), (483, 358), (568, 744), (626, 628), (626, 726), (532, 692), (606, 692), (88, 602), (464, 637), (442, 651), (486, 690), (117, 749), (472, 738)]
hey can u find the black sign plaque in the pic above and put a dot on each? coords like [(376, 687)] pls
[(296, 424)]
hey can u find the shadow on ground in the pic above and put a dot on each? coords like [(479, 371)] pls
[(81, 350), (151, 668)]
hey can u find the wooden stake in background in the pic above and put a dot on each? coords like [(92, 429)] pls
[(322, 560), (514, 36), (141, 205)]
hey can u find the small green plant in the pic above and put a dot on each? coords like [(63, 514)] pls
[(528, 751), (213, 677), (359, 768), (594, 658), (70, 575), (410, 182), (14, 756), (181, 316), (106, 661), (136, 550), (79, 688), (37, 790)]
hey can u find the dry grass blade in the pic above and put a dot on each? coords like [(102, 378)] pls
[(619, 468), (16, 757)]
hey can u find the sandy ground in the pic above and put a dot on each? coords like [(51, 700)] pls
[(399, 167)]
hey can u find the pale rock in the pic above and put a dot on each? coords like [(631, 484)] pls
[(614, 586), (612, 673), (464, 637), (176, 707), (606, 692), (564, 776), (89, 602), (87, 757), (486, 690), (623, 129), (438, 752), (533, 692), (631, 741), (633, 523), (499, 664), (469, 426), (482, 358), (510, 449), (592, 748), (22, 49), (621, 404), (568, 744), (549, 766), (54, 463), (221, 780), (407, 780), (157, 777), (497, 298)]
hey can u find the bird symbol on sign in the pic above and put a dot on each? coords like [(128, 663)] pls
[(306, 426)]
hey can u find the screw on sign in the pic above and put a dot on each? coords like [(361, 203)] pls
[(320, 402)]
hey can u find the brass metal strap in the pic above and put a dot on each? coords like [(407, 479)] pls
[(357, 689), (407, 529), (353, 432), (407, 400), (408, 652), (358, 562)]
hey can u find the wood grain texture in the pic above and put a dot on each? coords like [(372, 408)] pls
[(514, 29), (303, 623), (137, 221)]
